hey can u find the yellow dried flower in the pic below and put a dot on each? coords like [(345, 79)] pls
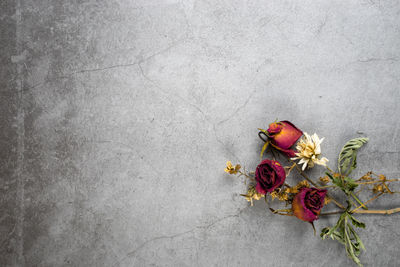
[(325, 179), (293, 190), (327, 200), (378, 188), (232, 169), (287, 190), (283, 196), (252, 194)]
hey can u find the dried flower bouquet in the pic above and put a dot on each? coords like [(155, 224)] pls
[(307, 198)]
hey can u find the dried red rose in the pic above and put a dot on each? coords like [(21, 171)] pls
[(269, 175), (307, 204)]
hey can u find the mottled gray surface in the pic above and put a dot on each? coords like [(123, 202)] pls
[(118, 116)]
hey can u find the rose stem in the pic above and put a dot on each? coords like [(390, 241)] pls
[(383, 212), (242, 173), (329, 169), (273, 154), (372, 199), (283, 210), (327, 186), (387, 212), (290, 169), (330, 213), (314, 184), (379, 181)]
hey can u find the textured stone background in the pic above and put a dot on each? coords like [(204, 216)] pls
[(117, 118)]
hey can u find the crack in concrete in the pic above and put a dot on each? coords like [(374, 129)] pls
[(203, 227), (69, 75), (181, 98), (322, 25), (129, 64), (238, 109), (377, 59)]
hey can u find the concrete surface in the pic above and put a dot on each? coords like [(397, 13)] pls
[(118, 116)]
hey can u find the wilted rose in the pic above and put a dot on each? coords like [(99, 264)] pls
[(269, 175), (307, 204), (284, 135)]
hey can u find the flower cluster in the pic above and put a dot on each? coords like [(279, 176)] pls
[(307, 198)]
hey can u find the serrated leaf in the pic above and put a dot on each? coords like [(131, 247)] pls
[(344, 233), (345, 183), (357, 238), (356, 222), (347, 161)]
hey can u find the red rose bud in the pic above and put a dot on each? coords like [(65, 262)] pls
[(284, 135), (269, 175), (307, 204)]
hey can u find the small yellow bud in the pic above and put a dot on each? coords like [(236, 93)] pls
[(232, 169), (327, 200), (325, 179), (252, 194), (378, 188)]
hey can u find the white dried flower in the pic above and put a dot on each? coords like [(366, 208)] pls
[(309, 150)]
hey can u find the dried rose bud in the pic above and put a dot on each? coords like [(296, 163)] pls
[(283, 135)]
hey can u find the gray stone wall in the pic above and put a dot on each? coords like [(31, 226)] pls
[(118, 116)]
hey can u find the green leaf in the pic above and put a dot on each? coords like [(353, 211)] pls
[(344, 233), (356, 222), (347, 161), (359, 242), (345, 183)]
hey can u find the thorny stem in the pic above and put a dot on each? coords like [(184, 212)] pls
[(314, 184)]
